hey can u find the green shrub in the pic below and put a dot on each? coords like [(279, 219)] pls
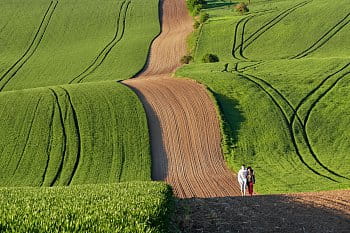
[(241, 8), (210, 58), (194, 6), (196, 24), (186, 59), (203, 17)]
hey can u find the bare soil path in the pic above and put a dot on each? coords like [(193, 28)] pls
[(183, 122)]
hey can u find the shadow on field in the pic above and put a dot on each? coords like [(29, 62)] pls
[(270, 213), (231, 116), (158, 152), (217, 3)]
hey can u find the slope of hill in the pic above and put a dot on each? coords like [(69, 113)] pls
[(72, 42), (73, 134), (281, 84)]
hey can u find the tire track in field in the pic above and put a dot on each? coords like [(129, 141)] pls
[(183, 122), (313, 105), (254, 36), (313, 91), (303, 128), (303, 123), (49, 144), (290, 129), (12, 71), (27, 136), (240, 47), (64, 136), (121, 22), (295, 115), (77, 131), (324, 38)]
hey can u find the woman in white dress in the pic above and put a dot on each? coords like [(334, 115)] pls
[(242, 179)]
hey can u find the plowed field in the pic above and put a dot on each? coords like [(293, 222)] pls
[(183, 121)]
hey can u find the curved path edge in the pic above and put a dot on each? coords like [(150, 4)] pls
[(182, 118)]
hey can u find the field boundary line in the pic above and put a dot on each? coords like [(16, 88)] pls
[(12, 71)]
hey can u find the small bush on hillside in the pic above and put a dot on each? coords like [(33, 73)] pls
[(203, 17), (241, 8), (186, 59), (195, 6), (209, 58), (196, 25)]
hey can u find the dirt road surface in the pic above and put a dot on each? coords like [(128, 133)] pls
[(317, 212), (183, 122)]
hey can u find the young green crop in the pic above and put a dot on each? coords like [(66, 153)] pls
[(73, 134), (69, 42), (124, 207), (281, 87)]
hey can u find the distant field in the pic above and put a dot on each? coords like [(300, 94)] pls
[(46, 43), (125, 207), (73, 134), (281, 85)]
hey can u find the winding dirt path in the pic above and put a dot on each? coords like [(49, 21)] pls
[(183, 122)]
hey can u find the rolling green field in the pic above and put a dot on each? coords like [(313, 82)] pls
[(65, 121), (60, 42), (282, 85), (73, 134), (125, 207)]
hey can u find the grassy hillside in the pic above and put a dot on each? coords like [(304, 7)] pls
[(73, 134), (281, 85), (125, 207), (71, 42)]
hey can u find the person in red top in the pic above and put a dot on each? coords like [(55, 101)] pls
[(250, 180)]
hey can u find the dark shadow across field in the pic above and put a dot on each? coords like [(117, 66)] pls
[(232, 117), (270, 213), (217, 3)]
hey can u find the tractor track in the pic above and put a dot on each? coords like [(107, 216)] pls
[(102, 55), (12, 71), (324, 38), (304, 99), (183, 122), (64, 136), (254, 36), (290, 129), (303, 126), (234, 49), (49, 144), (290, 122), (321, 96), (77, 131)]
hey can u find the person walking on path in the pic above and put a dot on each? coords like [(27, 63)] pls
[(242, 179), (250, 180)]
